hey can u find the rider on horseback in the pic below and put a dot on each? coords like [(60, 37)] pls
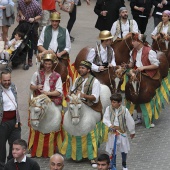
[(54, 38), (163, 27), (143, 59), (89, 89), (48, 82), (103, 56), (123, 25)]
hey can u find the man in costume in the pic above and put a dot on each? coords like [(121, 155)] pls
[(54, 38), (89, 89), (48, 82), (143, 59), (123, 25), (9, 116), (103, 56), (118, 119), (56, 162), (103, 162), (20, 160)]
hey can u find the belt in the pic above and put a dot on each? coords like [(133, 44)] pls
[(9, 115), (117, 128)]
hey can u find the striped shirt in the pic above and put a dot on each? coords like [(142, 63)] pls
[(31, 10)]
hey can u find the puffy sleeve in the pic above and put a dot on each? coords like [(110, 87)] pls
[(106, 117), (153, 58)]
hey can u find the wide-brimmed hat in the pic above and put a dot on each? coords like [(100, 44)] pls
[(55, 16), (105, 35)]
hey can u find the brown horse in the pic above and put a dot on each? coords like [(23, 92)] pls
[(162, 45), (143, 88), (111, 76), (122, 48)]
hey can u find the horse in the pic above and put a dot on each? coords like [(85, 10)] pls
[(143, 88), (80, 119), (45, 117), (162, 45)]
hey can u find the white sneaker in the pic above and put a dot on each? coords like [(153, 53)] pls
[(4, 62), (125, 168), (93, 163), (152, 125), (138, 121)]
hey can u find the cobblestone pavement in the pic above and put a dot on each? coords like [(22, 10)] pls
[(150, 149)]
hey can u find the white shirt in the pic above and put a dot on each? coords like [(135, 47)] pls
[(46, 87), (23, 160), (54, 44), (103, 53), (129, 120), (122, 141), (164, 30), (95, 88), (152, 58), (8, 105), (125, 28)]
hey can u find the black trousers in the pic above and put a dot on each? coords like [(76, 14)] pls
[(142, 23), (9, 133), (72, 19)]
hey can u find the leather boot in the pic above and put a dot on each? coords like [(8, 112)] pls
[(30, 62)]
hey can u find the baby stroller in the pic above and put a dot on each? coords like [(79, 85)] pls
[(20, 54)]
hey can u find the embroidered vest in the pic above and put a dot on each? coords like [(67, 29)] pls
[(121, 117), (145, 60), (52, 82), (13, 89), (88, 85), (119, 28), (160, 27), (61, 38), (97, 59)]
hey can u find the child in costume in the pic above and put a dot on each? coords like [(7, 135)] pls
[(118, 119)]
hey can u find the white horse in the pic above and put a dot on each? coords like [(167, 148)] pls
[(44, 115), (80, 119)]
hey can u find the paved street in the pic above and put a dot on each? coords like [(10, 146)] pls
[(150, 149)]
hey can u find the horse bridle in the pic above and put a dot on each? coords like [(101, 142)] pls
[(41, 114), (127, 43)]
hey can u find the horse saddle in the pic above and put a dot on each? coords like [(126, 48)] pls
[(157, 76)]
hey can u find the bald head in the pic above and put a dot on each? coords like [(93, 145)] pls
[(56, 162)]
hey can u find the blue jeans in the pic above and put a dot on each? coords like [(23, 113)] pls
[(124, 156)]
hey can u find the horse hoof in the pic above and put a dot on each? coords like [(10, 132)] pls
[(152, 125)]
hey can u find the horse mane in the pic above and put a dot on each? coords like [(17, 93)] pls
[(40, 97)]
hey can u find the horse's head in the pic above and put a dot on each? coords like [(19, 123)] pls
[(74, 108), (117, 77), (134, 80), (38, 106), (160, 44)]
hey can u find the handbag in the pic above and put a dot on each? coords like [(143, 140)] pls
[(67, 6)]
